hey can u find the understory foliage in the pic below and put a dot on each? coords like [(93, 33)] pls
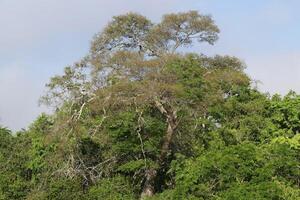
[(138, 119)]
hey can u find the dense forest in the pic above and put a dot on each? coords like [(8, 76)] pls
[(141, 117)]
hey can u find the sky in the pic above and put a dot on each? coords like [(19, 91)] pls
[(38, 38)]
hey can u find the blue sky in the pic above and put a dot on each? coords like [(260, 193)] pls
[(38, 38)]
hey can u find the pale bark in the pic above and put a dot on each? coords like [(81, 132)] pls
[(151, 174), (148, 189), (172, 125)]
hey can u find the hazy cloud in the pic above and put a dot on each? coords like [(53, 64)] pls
[(19, 93), (30, 23), (278, 73), (39, 37), (277, 12)]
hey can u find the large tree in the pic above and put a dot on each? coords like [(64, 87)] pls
[(134, 67)]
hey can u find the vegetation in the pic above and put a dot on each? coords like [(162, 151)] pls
[(138, 119)]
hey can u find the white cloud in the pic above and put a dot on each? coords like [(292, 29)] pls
[(41, 36), (277, 13), (18, 100), (35, 33), (278, 73), (28, 22)]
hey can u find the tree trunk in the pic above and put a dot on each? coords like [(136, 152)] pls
[(172, 124), (151, 174), (148, 189)]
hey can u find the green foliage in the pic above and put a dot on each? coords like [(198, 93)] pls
[(14, 175), (285, 114), (114, 188), (189, 75), (65, 189), (239, 172)]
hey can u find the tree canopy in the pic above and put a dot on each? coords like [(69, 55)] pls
[(140, 117)]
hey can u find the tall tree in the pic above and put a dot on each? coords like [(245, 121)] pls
[(128, 63)]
